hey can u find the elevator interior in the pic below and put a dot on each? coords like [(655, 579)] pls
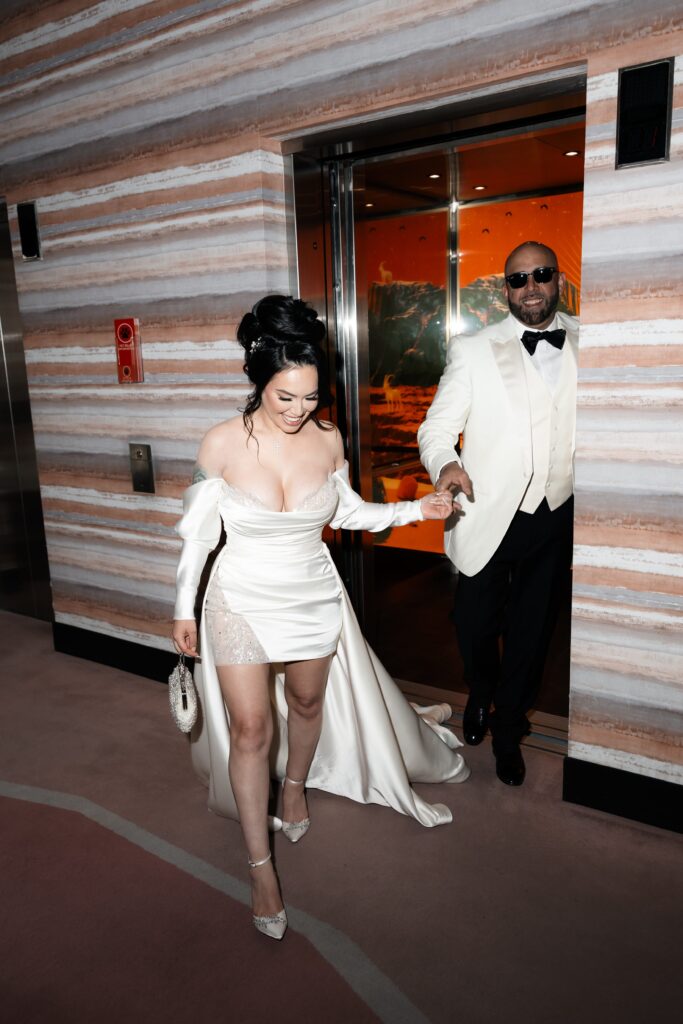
[(401, 243)]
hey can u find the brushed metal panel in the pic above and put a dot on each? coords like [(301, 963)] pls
[(24, 573)]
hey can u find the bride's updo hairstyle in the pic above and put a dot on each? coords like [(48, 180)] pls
[(279, 333)]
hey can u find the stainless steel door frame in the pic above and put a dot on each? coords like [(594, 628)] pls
[(24, 573), (353, 375)]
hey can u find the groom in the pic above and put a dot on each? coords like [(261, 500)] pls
[(511, 391)]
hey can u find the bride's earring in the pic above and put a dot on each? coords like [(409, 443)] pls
[(295, 830)]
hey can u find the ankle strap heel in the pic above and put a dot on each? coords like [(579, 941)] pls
[(272, 925), (258, 863)]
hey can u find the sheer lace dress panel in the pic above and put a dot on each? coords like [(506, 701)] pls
[(232, 639), (320, 498), (324, 496)]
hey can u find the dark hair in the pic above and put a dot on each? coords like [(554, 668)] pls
[(281, 332)]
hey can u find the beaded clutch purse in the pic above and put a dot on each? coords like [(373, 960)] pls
[(182, 696)]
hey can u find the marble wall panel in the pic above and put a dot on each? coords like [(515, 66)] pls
[(626, 698)]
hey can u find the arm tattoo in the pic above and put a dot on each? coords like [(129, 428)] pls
[(199, 473)]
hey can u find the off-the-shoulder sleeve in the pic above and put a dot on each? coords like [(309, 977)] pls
[(200, 529), (353, 513)]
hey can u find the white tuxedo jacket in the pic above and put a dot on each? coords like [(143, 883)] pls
[(483, 394)]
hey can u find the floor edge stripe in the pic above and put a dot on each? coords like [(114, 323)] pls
[(369, 983)]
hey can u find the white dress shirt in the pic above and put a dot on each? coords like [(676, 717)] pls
[(547, 359)]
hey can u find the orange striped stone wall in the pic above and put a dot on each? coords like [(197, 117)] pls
[(150, 135)]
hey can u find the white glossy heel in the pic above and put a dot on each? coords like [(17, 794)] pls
[(272, 925), (295, 830)]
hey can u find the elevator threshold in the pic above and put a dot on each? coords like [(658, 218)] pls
[(548, 732)]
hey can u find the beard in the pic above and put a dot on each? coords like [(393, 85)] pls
[(539, 315)]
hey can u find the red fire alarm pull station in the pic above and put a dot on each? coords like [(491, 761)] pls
[(128, 350)]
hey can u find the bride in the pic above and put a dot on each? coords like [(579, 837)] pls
[(288, 686)]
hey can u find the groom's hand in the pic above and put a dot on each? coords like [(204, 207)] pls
[(453, 478)]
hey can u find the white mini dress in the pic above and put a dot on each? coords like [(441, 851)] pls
[(275, 596)]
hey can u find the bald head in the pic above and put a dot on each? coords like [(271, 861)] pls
[(532, 250)]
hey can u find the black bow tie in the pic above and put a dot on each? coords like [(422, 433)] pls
[(530, 339)]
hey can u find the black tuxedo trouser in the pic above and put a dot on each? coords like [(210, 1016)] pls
[(516, 597)]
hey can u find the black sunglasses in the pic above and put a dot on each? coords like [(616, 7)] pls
[(541, 275)]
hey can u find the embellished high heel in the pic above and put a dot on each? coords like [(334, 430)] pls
[(272, 925), (295, 830)]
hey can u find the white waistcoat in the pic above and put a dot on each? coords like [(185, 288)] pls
[(551, 446)]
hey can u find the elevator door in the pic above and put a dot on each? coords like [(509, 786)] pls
[(417, 245), (24, 577)]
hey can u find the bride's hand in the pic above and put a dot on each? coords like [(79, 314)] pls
[(185, 637), (439, 505)]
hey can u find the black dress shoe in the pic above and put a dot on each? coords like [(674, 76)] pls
[(475, 722), (510, 767)]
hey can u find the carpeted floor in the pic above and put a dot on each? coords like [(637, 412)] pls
[(124, 900), (112, 933)]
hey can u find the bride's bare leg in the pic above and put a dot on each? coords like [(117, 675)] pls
[(305, 683), (245, 692)]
